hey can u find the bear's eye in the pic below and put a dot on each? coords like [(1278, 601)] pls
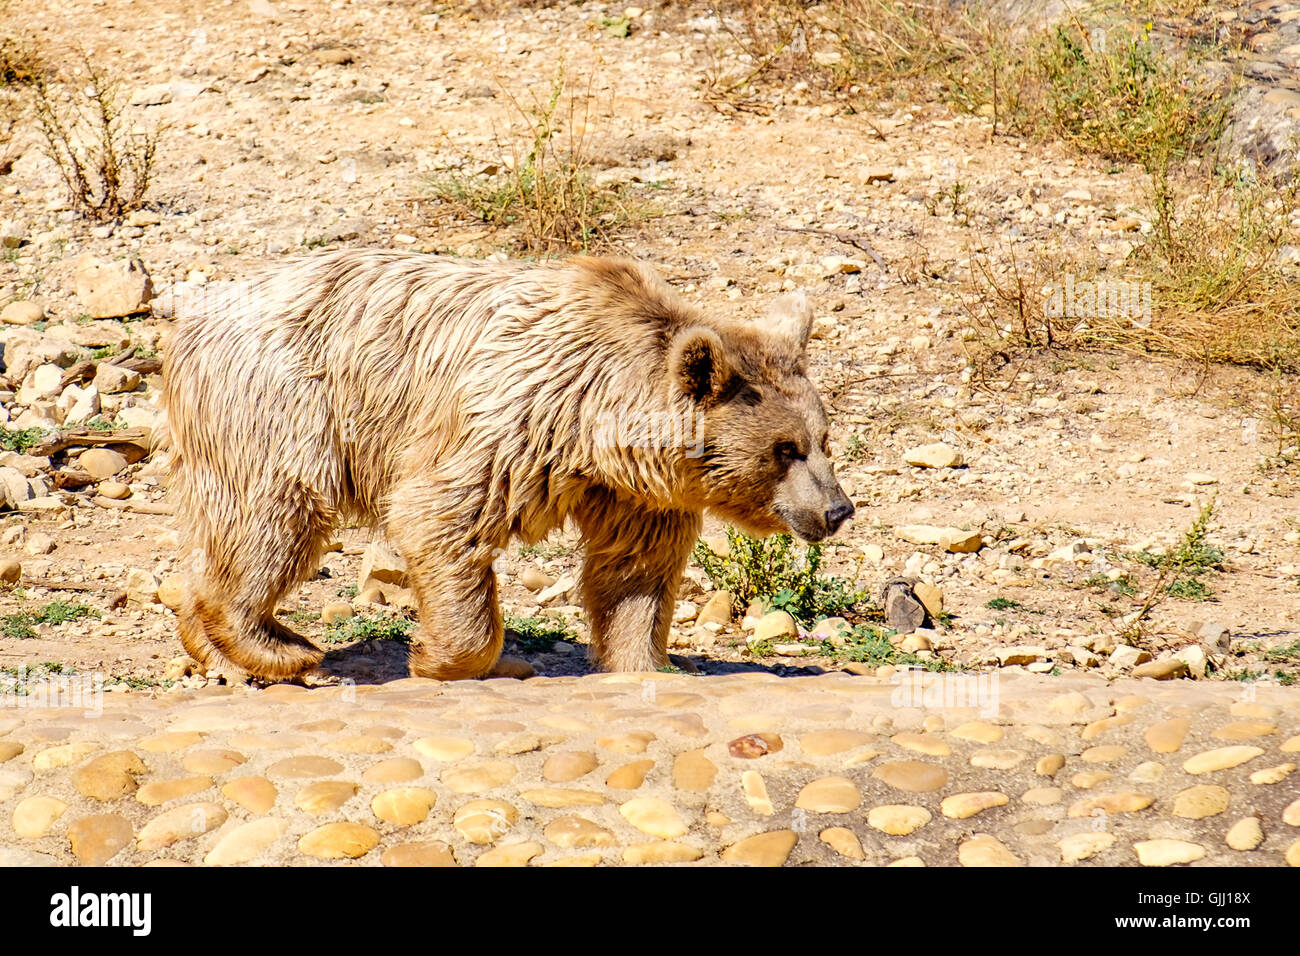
[(787, 451)]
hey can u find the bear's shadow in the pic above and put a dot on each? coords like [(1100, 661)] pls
[(382, 660)]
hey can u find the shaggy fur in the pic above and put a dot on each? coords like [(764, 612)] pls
[(457, 404)]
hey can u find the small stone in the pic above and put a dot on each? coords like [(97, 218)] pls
[(635, 742), (1167, 736), (1291, 815), (479, 776), (629, 776), (573, 831), (336, 841), (661, 851), (324, 796), (304, 766), (22, 312), (534, 579), (775, 626), (394, 770), (937, 455), (755, 791), (753, 746), (255, 794), (564, 767), (1126, 656), (115, 490), (484, 821), (997, 759), (1123, 802), (101, 463), (431, 853), (113, 379), (693, 771), (1222, 758), (654, 816), (930, 596), (97, 839), (34, 816), (898, 819), (959, 806), (108, 776), (162, 791), (403, 806), (985, 850), (141, 587), (1083, 846), (912, 776), (829, 795), (11, 570), (1272, 775), (979, 732), (1049, 765), (180, 823), (332, 613), (1166, 669), (763, 849), (444, 749), (844, 842), (927, 744), (1008, 656), (245, 842), (1200, 801), (515, 854), (1245, 834), (108, 290), (716, 610), (1167, 852)]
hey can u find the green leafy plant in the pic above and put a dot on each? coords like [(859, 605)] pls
[(369, 627), (537, 635), (778, 574)]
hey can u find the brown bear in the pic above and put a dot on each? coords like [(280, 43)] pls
[(459, 404)]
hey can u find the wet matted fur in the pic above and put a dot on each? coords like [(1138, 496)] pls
[(458, 404)]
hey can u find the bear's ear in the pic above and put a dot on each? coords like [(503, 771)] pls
[(698, 364), (790, 319)]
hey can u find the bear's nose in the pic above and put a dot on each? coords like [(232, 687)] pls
[(838, 515)]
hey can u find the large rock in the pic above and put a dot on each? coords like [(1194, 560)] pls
[(79, 404), (937, 455), (111, 379), (42, 382), (101, 463), (108, 290), (22, 312)]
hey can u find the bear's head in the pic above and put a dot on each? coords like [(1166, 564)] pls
[(763, 461)]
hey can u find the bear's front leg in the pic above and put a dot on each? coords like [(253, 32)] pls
[(634, 558), (459, 634)]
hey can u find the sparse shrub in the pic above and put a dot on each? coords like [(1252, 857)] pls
[(778, 574), (1125, 100), (369, 627), (546, 193), (106, 166), (537, 635)]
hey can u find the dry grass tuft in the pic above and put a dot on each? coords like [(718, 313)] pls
[(545, 193)]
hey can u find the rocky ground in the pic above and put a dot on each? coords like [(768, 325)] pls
[(1027, 534)]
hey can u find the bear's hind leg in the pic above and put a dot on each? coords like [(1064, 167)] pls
[(243, 570), (632, 568), (460, 633)]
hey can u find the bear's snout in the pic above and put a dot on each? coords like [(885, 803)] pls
[(837, 515)]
